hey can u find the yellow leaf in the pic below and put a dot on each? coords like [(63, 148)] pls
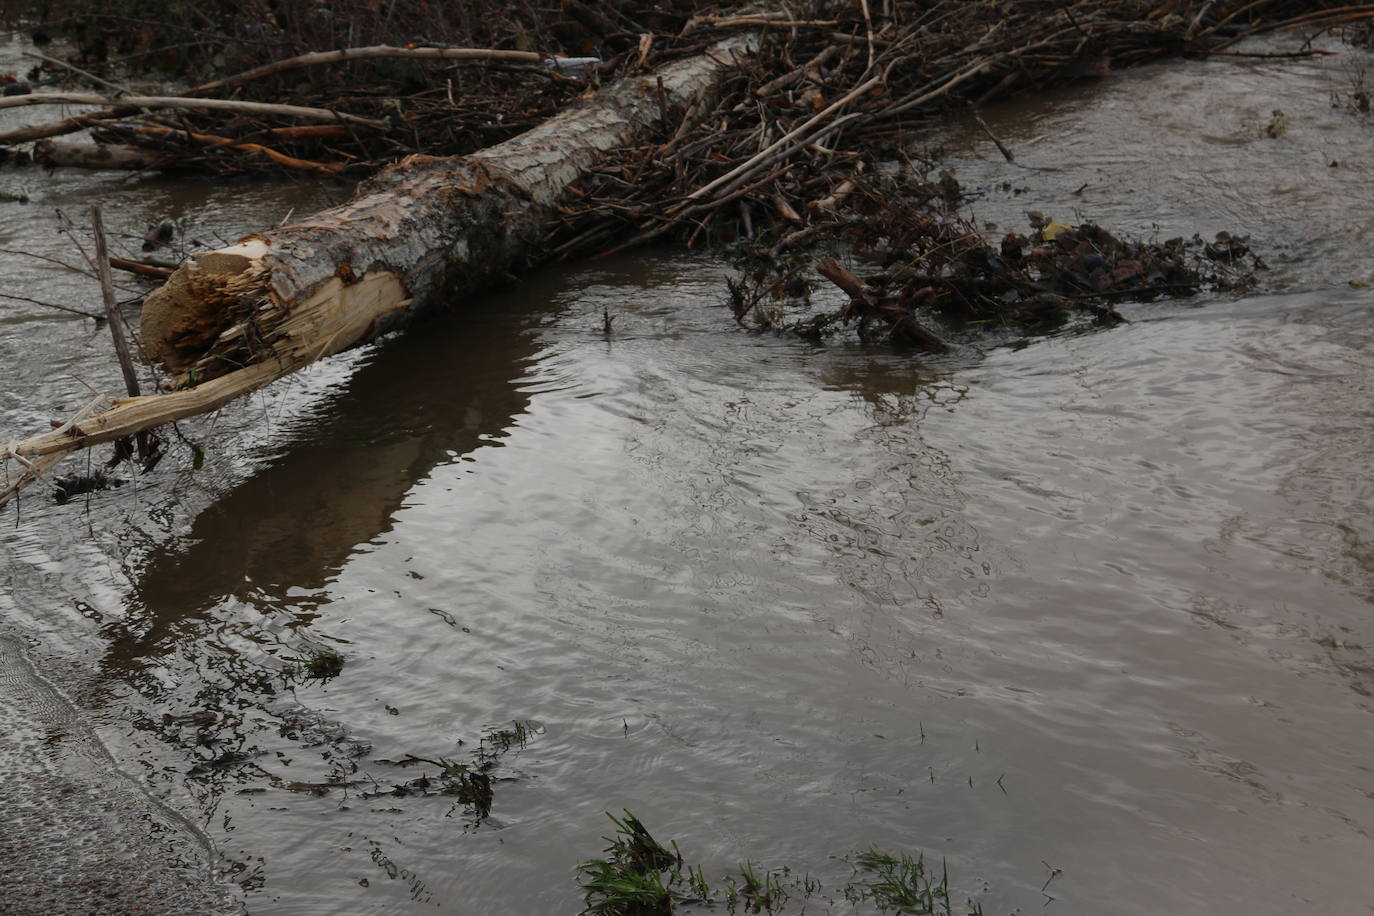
[(1052, 230)]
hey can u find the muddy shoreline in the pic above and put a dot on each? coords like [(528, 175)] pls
[(83, 836)]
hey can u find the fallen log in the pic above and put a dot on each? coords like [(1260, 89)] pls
[(230, 321), (60, 154)]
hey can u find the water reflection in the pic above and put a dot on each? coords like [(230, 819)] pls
[(275, 540)]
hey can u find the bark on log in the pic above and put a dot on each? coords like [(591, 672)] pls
[(232, 320)]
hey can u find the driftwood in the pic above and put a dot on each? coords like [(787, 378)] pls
[(865, 301), (232, 320), (127, 157), (61, 154)]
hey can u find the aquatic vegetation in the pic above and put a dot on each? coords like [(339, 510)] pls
[(471, 784), (639, 876), (902, 884), (320, 664)]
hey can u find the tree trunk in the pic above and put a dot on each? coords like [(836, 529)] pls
[(58, 154), (425, 230)]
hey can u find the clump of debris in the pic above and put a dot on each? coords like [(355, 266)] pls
[(927, 272)]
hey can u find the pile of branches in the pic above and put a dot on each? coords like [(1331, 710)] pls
[(801, 122), (449, 78), (789, 161), (425, 77)]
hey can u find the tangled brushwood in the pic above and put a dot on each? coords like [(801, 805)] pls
[(931, 262), (833, 84)]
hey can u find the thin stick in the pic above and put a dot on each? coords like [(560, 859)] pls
[(126, 361), (868, 25), (165, 101), (758, 22), (348, 55), (1193, 26), (102, 265), (972, 70), (1006, 153), (214, 141), (53, 305), (788, 79), (77, 70)]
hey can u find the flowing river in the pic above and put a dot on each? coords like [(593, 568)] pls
[(1089, 618)]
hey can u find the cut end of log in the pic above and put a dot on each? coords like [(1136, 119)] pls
[(201, 300)]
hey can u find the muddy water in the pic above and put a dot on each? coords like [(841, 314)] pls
[(1100, 604)]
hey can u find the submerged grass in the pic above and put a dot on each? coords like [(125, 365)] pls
[(320, 664), (639, 876), (470, 784), (902, 884)]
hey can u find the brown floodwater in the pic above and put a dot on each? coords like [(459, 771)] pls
[(1094, 611)]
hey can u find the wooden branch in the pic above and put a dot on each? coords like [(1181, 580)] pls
[(102, 266), (138, 268), (787, 79), (1001, 147), (290, 162), (765, 22), (349, 55), (163, 101), (905, 328), (65, 126), (845, 279), (121, 344), (132, 415)]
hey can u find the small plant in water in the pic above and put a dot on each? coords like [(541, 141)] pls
[(902, 884), (471, 783), (638, 877), (756, 893), (641, 877), (321, 664)]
